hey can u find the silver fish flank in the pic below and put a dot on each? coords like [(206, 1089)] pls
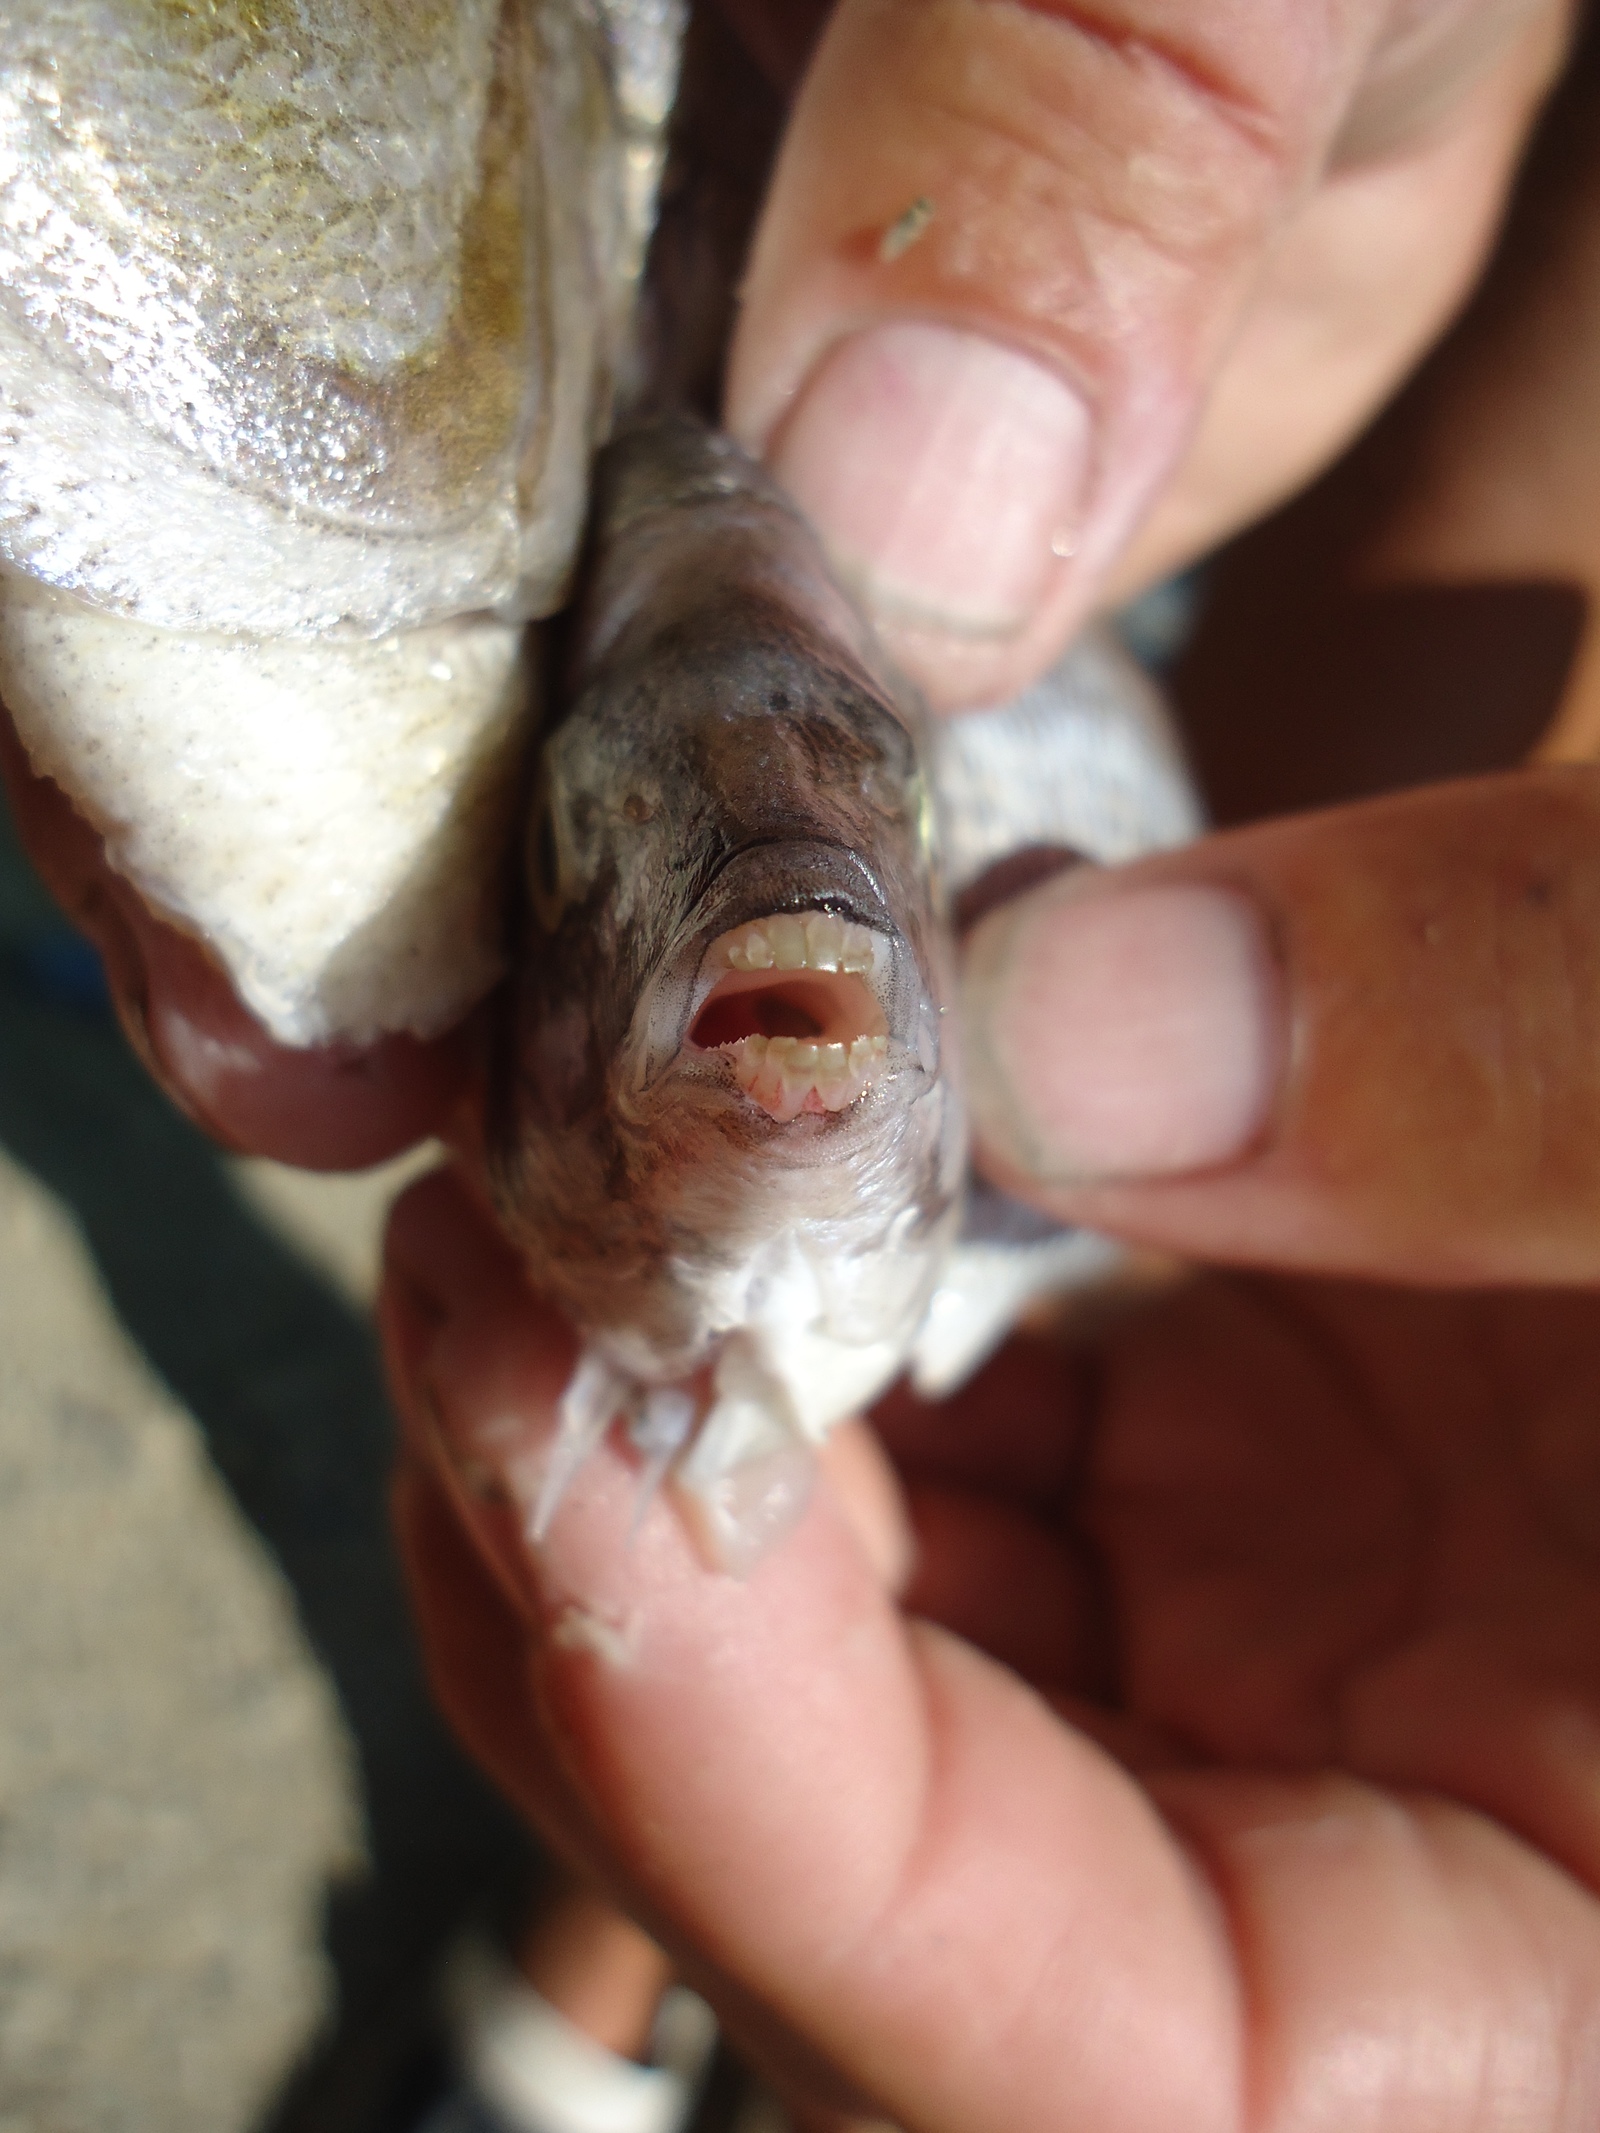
[(311, 317)]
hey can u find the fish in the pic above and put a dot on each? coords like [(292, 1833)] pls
[(726, 1131), (312, 315), (727, 1128)]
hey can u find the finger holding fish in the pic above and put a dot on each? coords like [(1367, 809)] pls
[(796, 1785), (319, 1107)]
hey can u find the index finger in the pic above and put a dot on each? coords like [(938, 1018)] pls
[(322, 1107)]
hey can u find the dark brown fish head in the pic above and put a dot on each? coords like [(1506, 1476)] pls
[(727, 1040)]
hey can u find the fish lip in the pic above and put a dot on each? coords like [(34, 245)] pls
[(790, 874), (787, 874)]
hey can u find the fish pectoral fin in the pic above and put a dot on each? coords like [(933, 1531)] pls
[(742, 1478), (596, 1394), (984, 1290), (662, 1424), (746, 1479)]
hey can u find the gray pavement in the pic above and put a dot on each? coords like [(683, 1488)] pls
[(233, 1837)]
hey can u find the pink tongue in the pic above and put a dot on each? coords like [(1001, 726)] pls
[(726, 1018), (835, 1006)]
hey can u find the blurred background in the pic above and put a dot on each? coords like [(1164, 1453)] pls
[(234, 1839)]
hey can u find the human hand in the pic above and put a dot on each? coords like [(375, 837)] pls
[(1230, 1756), (1181, 255), (1261, 215), (333, 1107)]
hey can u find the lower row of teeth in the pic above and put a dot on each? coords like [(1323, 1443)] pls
[(788, 1075)]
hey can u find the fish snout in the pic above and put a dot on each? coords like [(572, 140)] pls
[(794, 983), (793, 1008)]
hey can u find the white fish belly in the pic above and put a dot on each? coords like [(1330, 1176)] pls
[(330, 817)]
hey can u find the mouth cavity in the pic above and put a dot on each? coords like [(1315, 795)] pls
[(794, 1013)]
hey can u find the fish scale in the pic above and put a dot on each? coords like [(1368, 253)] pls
[(309, 323)]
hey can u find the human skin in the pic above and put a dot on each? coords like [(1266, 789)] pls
[(1236, 1728), (1229, 1760), (1196, 1722)]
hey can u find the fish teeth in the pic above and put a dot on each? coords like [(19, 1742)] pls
[(788, 938), (749, 950), (798, 940), (788, 1075), (824, 933)]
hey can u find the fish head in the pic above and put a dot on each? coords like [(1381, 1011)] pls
[(728, 1037), (735, 849), (729, 880)]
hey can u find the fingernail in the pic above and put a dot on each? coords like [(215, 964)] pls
[(140, 964), (1122, 1033), (199, 1065), (944, 471)]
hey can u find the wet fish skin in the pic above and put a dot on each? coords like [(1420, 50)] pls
[(732, 749), (337, 282), (311, 317)]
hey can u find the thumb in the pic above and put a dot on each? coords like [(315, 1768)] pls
[(1004, 253), (1361, 1042)]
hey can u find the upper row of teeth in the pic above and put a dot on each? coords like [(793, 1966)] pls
[(798, 940)]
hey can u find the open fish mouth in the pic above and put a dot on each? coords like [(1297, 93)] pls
[(794, 1011), (805, 1006)]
